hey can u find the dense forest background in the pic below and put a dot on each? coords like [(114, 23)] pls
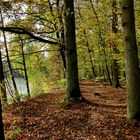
[(49, 45)]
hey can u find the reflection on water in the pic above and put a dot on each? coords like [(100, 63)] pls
[(21, 85)]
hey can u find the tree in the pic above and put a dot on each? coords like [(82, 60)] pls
[(131, 61), (2, 83), (115, 67), (89, 50), (24, 65), (73, 90), (59, 30), (1, 124), (102, 41), (8, 60)]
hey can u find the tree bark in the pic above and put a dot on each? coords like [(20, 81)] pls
[(131, 61), (59, 35), (1, 124), (73, 90), (8, 60), (2, 82), (115, 67), (24, 65)]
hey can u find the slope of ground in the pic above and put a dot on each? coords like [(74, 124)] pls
[(43, 117)]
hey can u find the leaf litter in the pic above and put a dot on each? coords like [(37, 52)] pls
[(102, 117)]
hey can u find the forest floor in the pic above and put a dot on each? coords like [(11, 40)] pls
[(45, 118)]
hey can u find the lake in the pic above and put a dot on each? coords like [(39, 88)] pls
[(21, 85)]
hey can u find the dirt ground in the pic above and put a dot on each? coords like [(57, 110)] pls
[(45, 118)]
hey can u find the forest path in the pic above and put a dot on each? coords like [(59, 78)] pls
[(43, 117)]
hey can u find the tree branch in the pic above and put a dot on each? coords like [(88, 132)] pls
[(18, 30)]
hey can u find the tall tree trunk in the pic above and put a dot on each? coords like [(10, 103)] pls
[(73, 90), (59, 35), (24, 65), (2, 82), (103, 45), (8, 61), (131, 61), (62, 37), (90, 60), (88, 47), (1, 124), (115, 67), (21, 42)]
